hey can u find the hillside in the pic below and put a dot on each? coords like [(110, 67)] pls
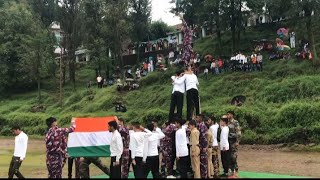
[(282, 103)]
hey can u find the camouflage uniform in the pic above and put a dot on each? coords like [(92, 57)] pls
[(234, 138), (203, 142), (84, 166), (56, 150), (187, 43), (215, 161), (125, 157), (168, 154)]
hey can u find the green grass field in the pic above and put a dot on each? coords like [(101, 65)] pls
[(281, 107)]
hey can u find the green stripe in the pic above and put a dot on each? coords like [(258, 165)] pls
[(90, 151)]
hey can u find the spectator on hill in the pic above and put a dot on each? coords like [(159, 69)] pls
[(220, 65), (99, 81), (254, 61), (138, 73), (206, 71), (259, 61), (213, 67), (217, 67)]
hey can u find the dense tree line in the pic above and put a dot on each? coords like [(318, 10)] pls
[(27, 43)]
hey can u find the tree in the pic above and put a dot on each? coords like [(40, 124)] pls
[(117, 29), (70, 16), (140, 11), (36, 53), (158, 29), (25, 48), (309, 7), (94, 37), (46, 10)]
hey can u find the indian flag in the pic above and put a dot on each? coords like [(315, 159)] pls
[(91, 137)]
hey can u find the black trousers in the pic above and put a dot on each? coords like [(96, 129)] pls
[(14, 168), (189, 161), (183, 166), (225, 159), (138, 169), (130, 160), (176, 101), (152, 165), (115, 171), (192, 103), (70, 164)]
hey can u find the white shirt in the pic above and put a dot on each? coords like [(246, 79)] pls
[(171, 54), (185, 126), (130, 135), (191, 81), (20, 145), (206, 70), (259, 58), (181, 143), (245, 60), (151, 144), (116, 146), (178, 84), (224, 143), (158, 129), (99, 78), (137, 142), (214, 130)]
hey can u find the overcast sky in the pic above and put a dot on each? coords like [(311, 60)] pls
[(160, 11)]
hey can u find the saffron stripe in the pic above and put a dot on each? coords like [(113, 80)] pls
[(96, 124)]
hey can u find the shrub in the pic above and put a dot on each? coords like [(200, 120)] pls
[(294, 114)]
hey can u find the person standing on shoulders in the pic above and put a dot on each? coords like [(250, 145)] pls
[(20, 150), (234, 140), (193, 101), (177, 96)]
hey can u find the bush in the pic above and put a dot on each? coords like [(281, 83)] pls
[(297, 88), (298, 114)]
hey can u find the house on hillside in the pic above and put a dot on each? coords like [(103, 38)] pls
[(82, 55)]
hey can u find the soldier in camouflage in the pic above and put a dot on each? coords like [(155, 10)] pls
[(234, 140), (168, 149), (203, 142), (56, 147), (125, 157)]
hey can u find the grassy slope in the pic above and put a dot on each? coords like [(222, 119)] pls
[(282, 102)]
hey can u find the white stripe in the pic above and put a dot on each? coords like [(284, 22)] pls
[(85, 139)]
